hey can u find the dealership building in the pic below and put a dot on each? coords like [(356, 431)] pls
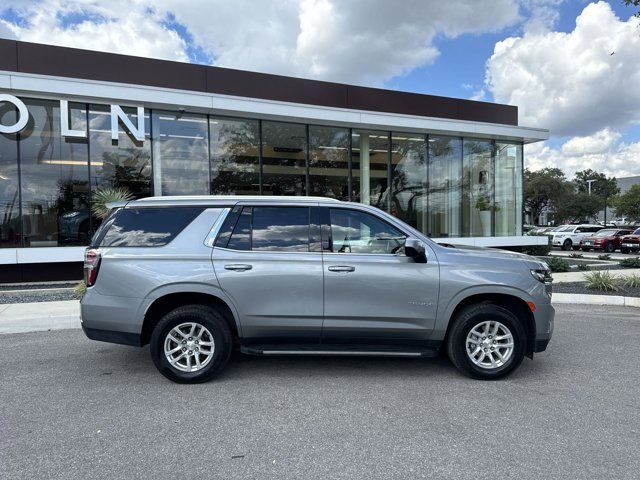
[(75, 121)]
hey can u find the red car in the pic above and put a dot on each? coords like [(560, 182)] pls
[(631, 243), (609, 240)]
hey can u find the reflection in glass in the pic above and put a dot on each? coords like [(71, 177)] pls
[(9, 198), (241, 236), (508, 207), (125, 163), (54, 177), (180, 154), (409, 179), (477, 204), (283, 158), (369, 158), (234, 156), (445, 186), (358, 232), (329, 162), (278, 229)]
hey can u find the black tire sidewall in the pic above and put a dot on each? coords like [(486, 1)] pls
[(467, 320), (210, 319), (608, 248), (566, 245)]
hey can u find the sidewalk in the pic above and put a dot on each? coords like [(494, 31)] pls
[(579, 275), (39, 316)]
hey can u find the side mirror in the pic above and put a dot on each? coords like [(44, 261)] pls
[(414, 248)]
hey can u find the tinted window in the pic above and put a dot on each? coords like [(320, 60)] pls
[(280, 229), (227, 227), (147, 227), (241, 237), (359, 232)]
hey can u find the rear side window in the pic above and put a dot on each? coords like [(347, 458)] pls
[(147, 227)]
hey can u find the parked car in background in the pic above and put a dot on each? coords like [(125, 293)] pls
[(195, 277), (538, 230), (631, 242), (607, 239), (568, 237)]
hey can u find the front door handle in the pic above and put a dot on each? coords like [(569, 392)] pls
[(238, 267), (342, 268)]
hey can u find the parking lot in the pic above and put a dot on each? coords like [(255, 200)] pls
[(73, 408)]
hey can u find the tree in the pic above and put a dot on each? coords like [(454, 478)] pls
[(628, 204), (602, 186), (544, 189), (578, 207)]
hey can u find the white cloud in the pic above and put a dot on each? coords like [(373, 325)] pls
[(603, 151), (360, 41), (5, 30), (570, 82)]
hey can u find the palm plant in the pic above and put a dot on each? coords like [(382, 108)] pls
[(105, 195)]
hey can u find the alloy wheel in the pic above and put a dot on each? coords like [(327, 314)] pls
[(189, 347), (489, 344)]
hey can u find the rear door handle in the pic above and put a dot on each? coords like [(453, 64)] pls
[(238, 267), (342, 268)]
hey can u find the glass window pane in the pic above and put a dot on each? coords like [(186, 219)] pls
[(280, 229), (477, 203), (329, 162), (369, 157), (283, 158), (358, 232), (409, 179), (241, 236), (180, 154), (234, 156), (508, 208), (445, 186), (10, 234), (54, 177), (147, 227)]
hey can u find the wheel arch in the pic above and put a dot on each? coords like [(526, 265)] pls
[(171, 300), (515, 304)]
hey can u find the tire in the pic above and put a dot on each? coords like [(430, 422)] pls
[(217, 331), (567, 245), (473, 316), (586, 249), (624, 250), (609, 248)]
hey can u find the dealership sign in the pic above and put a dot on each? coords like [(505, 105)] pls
[(117, 116)]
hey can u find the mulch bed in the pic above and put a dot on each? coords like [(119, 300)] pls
[(580, 288)]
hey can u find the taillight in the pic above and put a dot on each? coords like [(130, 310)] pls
[(91, 266)]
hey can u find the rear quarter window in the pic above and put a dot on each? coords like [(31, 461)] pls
[(146, 227)]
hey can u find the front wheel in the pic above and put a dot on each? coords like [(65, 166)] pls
[(567, 245), (486, 342), (624, 250), (191, 344), (609, 248)]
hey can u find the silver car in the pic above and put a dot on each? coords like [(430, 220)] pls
[(197, 277)]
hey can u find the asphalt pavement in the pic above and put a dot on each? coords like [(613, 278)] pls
[(74, 408)]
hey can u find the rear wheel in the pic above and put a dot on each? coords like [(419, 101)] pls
[(191, 344), (486, 342), (567, 245)]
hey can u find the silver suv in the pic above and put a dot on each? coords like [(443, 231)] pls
[(196, 277)]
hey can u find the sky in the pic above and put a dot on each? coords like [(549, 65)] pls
[(571, 66)]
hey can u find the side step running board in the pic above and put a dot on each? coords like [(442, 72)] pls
[(258, 350)]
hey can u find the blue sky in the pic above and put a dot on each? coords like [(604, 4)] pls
[(528, 53)]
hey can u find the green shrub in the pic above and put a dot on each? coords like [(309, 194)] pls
[(575, 255), (583, 267), (603, 281), (104, 195), (80, 289), (630, 262), (632, 281), (539, 250), (558, 265), (604, 256)]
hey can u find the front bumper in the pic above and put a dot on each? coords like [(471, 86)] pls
[(545, 318)]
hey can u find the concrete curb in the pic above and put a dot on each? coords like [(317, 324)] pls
[(577, 298), (39, 316)]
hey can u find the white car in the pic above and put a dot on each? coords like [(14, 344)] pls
[(568, 237)]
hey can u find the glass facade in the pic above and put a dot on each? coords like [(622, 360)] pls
[(443, 186)]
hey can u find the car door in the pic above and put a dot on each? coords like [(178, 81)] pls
[(373, 293), (267, 259)]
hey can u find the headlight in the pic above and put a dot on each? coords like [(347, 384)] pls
[(542, 275)]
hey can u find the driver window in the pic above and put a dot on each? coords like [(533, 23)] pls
[(358, 232)]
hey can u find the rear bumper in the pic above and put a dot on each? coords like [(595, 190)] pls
[(123, 338)]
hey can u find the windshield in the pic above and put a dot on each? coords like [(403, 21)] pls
[(637, 231), (566, 228), (606, 233)]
